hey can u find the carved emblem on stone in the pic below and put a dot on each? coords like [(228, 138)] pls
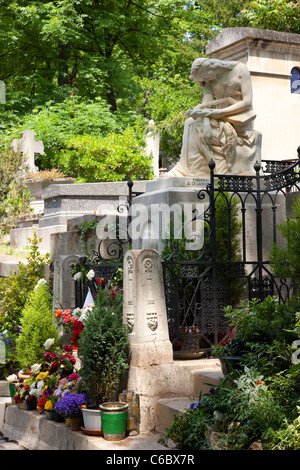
[(152, 320)]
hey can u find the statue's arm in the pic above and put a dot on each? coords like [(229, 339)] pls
[(207, 100), (236, 107)]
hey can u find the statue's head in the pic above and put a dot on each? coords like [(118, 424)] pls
[(205, 69)]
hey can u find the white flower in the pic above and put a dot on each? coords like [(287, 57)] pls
[(76, 312), (48, 343), (12, 378), (35, 369), (77, 276), (40, 384), (90, 274), (41, 281)]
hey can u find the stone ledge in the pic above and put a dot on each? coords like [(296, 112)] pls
[(167, 408), (34, 432)]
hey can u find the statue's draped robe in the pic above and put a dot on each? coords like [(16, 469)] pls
[(233, 145)]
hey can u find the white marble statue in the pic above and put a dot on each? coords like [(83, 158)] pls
[(221, 127)]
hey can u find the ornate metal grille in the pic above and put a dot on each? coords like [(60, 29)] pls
[(197, 289)]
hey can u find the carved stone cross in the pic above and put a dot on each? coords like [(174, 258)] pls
[(29, 147)]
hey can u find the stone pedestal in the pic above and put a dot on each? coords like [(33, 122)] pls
[(165, 201)]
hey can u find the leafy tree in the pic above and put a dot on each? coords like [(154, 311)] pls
[(278, 15), (112, 158)]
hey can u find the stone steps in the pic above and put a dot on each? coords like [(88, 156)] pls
[(201, 382)]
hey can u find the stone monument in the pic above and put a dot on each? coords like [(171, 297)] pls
[(29, 147), (272, 58), (221, 127), (144, 311)]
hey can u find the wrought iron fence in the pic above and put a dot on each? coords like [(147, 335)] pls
[(198, 287)]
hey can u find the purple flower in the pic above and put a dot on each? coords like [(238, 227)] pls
[(70, 404), (193, 405)]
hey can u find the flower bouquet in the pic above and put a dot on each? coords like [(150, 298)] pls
[(70, 407), (71, 323)]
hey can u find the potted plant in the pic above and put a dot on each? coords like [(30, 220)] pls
[(103, 350), (12, 381), (70, 407)]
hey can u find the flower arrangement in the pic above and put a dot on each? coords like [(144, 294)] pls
[(70, 404), (72, 323)]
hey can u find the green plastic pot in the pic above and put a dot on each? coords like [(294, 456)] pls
[(114, 420), (12, 391)]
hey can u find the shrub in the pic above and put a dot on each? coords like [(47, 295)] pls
[(15, 289), (110, 158), (286, 261), (103, 347), (15, 197), (37, 325)]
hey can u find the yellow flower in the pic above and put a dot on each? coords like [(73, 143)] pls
[(42, 376), (48, 405)]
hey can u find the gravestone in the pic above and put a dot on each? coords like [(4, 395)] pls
[(151, 373), (28, 147)]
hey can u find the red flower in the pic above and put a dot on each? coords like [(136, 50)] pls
[(42, 401), (53, 367), (113, 294), (67, 348), (77, 329), (66, 357), (101, 281)]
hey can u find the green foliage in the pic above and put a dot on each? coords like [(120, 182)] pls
[(278, 15), (286, 261), (103, 347), (263, 333), (55, 123), (110, 158), (257, 403), (15, 289), (15, 197), (37, 325)]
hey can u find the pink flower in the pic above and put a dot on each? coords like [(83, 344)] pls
[(74, 376)]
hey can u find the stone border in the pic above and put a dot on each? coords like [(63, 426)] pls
[(34, 431)]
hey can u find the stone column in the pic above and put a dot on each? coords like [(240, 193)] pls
[(151, 373)]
